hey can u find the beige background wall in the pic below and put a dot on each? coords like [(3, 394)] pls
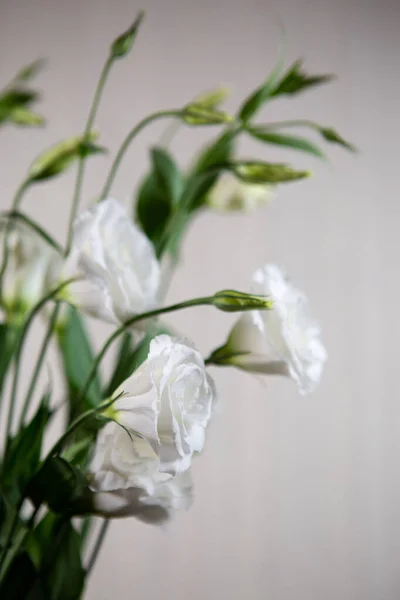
[(297, 498)]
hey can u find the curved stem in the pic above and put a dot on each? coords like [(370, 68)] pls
[(39, 362), (152, 313), (88, 127), (97, 546), (36, 309), (128, 140)]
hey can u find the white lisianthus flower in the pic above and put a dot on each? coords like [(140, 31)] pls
[(116, 263), (168, 401), (126, 479), (230, 194), (283, 340), (32, 269)]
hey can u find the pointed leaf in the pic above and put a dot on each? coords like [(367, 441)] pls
[(330, 135), (23, 453), (288, 141), (296, 80), (78, 358), (167, 174)]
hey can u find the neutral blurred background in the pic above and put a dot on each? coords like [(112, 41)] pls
[(297, 498)]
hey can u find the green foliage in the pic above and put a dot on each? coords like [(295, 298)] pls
[(9, 334), (60, 485), (61, 156), (263, 134), (55, 552), (297, 80), (77, 361), (23, 452), (16, 100)]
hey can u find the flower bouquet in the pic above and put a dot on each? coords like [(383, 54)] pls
[(128, 440)]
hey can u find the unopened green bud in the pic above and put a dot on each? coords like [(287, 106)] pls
[(198, 114), (123, 44), (59, 157), (234, 301), (261, 172), (213, 98)]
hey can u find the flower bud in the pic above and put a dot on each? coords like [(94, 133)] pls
[(260, 172), (213, 98), (199, 114), (59, 157), (123, 44), (233, 301)]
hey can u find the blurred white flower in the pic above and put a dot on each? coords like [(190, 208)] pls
[(168, 400), (230, 194), (119, 272), (126, 479), (283, 340), (32, 269)]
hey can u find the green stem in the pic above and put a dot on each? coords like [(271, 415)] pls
[(39, 362), (98, 544), (17, 360), (81, 164), (15, 205), (128, 140), (152, 313)]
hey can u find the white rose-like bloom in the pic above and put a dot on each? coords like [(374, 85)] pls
[(116, 262), (169, 401), (284, 340), (230, 194), (125, 477), (33, 267)]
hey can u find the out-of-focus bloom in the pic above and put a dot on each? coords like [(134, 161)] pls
[(118, 270), (168, 400), (127, 482), (283, 340), (32, 268), (230, 194)]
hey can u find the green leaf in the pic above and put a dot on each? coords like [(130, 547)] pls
[(255, 101), (330, 135), (123, 44), (219, 152), (167, 175), (55, 548), (296, 80), (9, 334), (59, 484), (14, 99), (22, 457), (78, 359), (20, 580), (153, 208), (59, 157), (261, 172), (288, 141)]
